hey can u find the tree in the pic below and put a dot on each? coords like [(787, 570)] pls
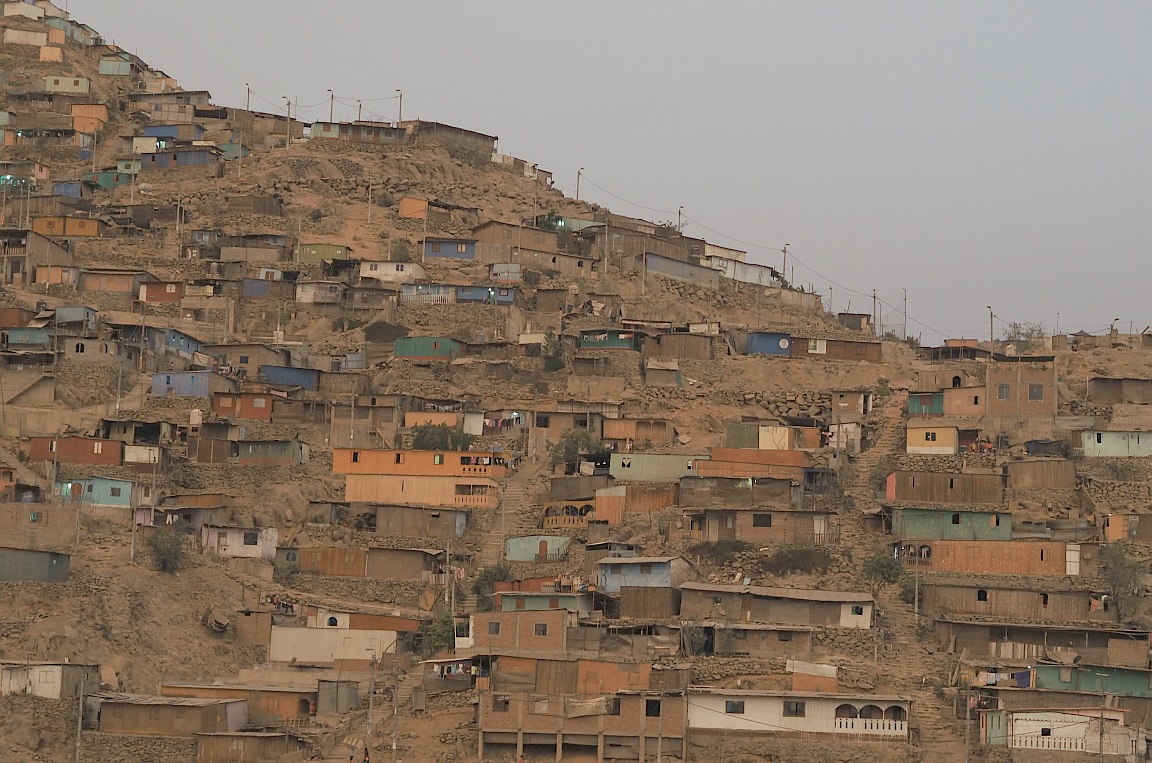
[(438, 634), (168, 549), (553, 353), (440, 437), (883, 569), (485, 583), (571, 444)]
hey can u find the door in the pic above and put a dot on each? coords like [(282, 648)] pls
[(1072, 559)]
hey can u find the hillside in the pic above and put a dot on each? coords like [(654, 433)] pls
[(268, 409)]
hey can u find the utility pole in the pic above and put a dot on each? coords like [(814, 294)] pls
[(580, 172), (905, 313), (967, 724), (288, 131), (359, 109), (784, 269), (400, 109), (991, 316), (875, 328), (80, 715), (331, 105), (248, 100), (1101, 732), (395, 700), (369, 202), (371, 694)]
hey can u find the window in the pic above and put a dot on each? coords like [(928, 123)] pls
[(1035, 392), (858, 609), (438, 459), (400, 268), (794, 708), (243, 359), (1041, 554), (399, 458), (251, 539), (493, 628), (540, 629), (951, 483), (542, 422), (519, 602), (930, 437), (975, 400), (114, 492), (507, 233), (615, 569), (1046, 732), (97, 447), (374, 266), (817, 347), (290, 556), (1099, 438), (461, 248), (645, 569), (500, 704), (761, 520), (995, 520), (332, 622), (652, 708), (955, 519), (259, 402), (981, 595), (33, 517), (170, 288), (153, 713), (355, 456), (613, 706), (1003, 391), (1044, 600), (554, 603), (783, 635), (435, 246), (734, 707), (79, 347)]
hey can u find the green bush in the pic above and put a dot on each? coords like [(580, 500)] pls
[(485, 583), (168, 550), (571, 444), (719, 552), (883, 569), (798, 559), (440, 437)]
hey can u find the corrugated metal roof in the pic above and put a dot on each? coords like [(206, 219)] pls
[(151, 699), (636, 559)]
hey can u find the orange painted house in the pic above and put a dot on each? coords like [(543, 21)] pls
[(255, 406), (417, 463)]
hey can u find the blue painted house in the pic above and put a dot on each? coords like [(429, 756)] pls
[(289, 376), (189, 131), (492, 295), (40, 336), (450, 248), (616, 572), (191, 383), (70, 189), (767, 343), (179, 158), (97, 491), (926, 404), (76, 316), (179, 343)]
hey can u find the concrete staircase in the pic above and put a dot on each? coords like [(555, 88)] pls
[(862, 488), (514, 517)]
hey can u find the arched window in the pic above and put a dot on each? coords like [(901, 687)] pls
[(925, 552), (955, 382), (895, 713), (871, 712), (847, 711), (79, 347), (332, 622), (981, 595)]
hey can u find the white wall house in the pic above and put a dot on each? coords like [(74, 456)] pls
[(755, 713), (240, 542), (51, 680), (392, 272), (328, 646)]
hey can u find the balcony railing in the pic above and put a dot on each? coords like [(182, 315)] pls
[(881, 726)]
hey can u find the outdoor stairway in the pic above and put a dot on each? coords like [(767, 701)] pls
[(515, 516)]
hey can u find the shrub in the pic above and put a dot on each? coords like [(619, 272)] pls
[(798, 559), (440, 437), (571, 444), (719, 552), (168, 550), (485, 583), (883, 569), (438, 634)]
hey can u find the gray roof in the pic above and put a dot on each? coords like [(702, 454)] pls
[(152, 699)]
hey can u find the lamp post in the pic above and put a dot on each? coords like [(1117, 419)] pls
[(400, 107), (331, 104), (579, 172)]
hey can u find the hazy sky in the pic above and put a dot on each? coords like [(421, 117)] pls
[(974, 153)]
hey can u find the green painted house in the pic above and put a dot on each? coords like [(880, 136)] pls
[(428, 347), (323, 252), (535, 601), (942, 524), (1124, 682)]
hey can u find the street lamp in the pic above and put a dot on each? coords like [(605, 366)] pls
[(579, 172), (288, 131), (400, 108)]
